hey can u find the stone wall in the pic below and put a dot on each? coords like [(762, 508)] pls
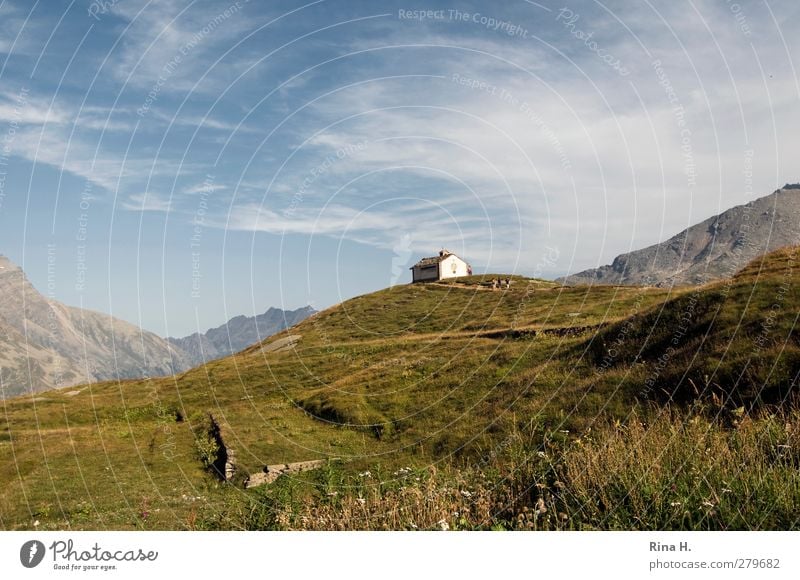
[(273, 472)]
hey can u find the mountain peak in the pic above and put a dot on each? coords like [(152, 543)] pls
[(45, 344), (6, 265)]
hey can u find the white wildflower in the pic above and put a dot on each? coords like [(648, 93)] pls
[(540, 507)]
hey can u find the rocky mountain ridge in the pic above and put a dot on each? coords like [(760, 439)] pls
[(238, 333), (713, 249)]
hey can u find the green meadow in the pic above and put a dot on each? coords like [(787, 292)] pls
[(446, 406)]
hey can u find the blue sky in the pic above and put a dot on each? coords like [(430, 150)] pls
[(180, 163)]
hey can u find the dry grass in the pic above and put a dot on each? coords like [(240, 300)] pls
[(665, 471), (676, 473)]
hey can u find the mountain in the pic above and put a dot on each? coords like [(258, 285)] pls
[(711, 250), (46, 345), (237, 334)]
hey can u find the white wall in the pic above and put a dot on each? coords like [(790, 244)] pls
[(452, 267)]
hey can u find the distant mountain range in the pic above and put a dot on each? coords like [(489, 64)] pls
[(45, 344), (237, 334), (713, 249)]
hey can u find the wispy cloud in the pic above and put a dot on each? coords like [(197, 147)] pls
[(175, 44), (514, 142), (195, 120), (204, 187), (147, 202), (548, 138), (24, 108), (20, 34)]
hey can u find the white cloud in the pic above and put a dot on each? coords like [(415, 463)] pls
[(555, 143), (193, 120), (626, 179), (146, 202), (24, 108), (178, 43), (20, 33), (204, 187), (52, 145)]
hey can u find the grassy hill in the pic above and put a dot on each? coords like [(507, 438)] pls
[(433, 390)]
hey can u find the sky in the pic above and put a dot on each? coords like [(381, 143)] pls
[(179, 163)]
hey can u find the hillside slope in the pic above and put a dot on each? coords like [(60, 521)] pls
[(737, 340), (711, 250), (438, 374)]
